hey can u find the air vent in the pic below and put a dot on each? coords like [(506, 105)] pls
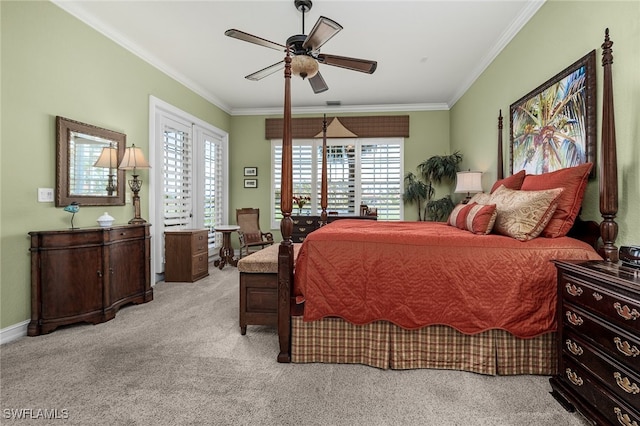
[(334, 103)]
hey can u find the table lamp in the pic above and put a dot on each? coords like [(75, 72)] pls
[(134, 159), (469, 182)]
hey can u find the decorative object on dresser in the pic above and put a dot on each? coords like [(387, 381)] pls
[(599, 341), (630, 256), (186, 254), (134, 159), (106, 220), (86, 275), (72, 208), (108, 160)]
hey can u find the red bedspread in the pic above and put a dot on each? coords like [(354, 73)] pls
[(423, 273)]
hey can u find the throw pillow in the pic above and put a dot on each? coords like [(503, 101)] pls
[(473, 217), (524, 214), (574, 181), (511, 182)]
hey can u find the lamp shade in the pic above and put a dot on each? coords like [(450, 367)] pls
[(133, 159), (304, 66), (108, 158), (469, 182)]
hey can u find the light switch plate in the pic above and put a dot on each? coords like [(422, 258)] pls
[(45, 195)]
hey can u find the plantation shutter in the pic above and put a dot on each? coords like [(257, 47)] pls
[(381, 179), (177, 176), (213, 186)]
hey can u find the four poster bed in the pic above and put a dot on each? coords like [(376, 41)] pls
[(431, 295)]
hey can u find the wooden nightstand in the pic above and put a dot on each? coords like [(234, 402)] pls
[(599, 341), (186, 254)]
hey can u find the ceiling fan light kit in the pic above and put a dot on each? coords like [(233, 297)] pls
[(305, 50)]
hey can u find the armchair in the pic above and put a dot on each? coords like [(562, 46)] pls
[(248, 219)]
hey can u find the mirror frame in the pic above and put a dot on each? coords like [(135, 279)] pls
[(64, 127)]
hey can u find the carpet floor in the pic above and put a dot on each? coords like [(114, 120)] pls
[(180, 360)]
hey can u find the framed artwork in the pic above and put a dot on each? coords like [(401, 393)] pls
[(251, 171), (251, 183), (554, 125)]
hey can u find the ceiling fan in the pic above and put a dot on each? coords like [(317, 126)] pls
[(306, 51)]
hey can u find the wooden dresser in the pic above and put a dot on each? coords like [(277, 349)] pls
[(186, 254), (86, 275), (599, 341), (303, 225)]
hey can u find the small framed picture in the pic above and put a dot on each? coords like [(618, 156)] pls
[(251, 183), (251, 171)]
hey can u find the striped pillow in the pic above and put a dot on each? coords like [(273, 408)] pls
[(474, 217)]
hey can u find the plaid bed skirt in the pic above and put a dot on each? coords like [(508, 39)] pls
[(384, 345)]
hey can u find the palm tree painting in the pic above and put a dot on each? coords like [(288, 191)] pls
[(553, 127)]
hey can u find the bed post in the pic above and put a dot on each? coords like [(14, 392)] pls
[(500, 159), (285, 252), (323, 187), (608, 160)]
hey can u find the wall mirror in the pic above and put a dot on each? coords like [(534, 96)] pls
[(87, 164)]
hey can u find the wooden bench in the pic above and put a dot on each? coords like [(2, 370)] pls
[(259, 287)]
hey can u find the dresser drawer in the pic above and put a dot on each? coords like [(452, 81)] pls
[(589, 388), (200, 241), (607, 304), (199, 264), (620, 345), (126, 232), (620, 380)]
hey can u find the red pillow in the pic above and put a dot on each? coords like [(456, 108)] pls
[(511, 182), (473, 217), (574, 181)]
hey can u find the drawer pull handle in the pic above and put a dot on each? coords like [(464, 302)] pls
[(597, 296), (625, 312), (573, 290), (626, 348), (624, 419), (123, 233), (309, 222), (625, 384), (99, 273), (574, 348), (574, 378), (574, 319), (301, 229)]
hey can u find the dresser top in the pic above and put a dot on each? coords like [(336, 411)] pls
[(612, 272)]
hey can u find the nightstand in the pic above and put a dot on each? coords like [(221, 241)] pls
[(598, 317), (186, 254)]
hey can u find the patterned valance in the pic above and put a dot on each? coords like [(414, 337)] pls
[(375, 126)]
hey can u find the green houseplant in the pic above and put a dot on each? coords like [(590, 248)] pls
[(419, 190)]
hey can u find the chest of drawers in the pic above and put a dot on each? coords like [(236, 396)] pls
[(303, 225), (186, 255), (598, 317)]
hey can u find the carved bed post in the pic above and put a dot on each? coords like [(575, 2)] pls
[(323, 187), (285, 252), (608, 160), (500, 159)]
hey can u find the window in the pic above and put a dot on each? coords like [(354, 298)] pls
[(359, 171)]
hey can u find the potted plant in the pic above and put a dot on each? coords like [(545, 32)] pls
[(432, 171)]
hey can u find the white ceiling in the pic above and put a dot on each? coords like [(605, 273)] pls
[(428, 52)]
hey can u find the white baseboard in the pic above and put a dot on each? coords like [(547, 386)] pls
[(13, 332)]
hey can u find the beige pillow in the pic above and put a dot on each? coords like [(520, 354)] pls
[(481, 198), (523, 214)]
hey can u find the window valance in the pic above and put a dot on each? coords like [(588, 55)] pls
[(376, 126)]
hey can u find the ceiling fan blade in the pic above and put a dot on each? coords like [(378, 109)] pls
[(264, 72), (318, 84), (355, 64), (321, 33), (241, 35)]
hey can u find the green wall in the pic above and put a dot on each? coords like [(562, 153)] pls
[(560, 33), (53, 64)]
